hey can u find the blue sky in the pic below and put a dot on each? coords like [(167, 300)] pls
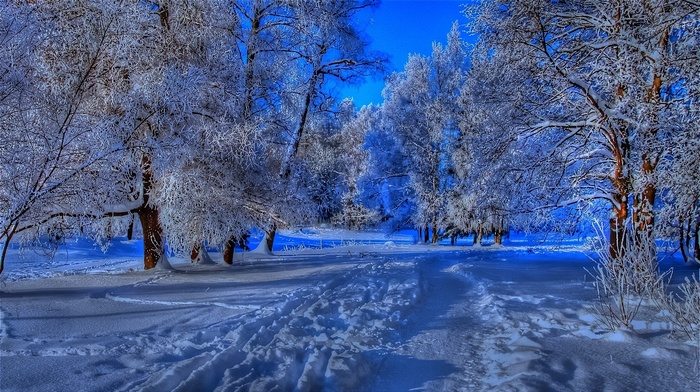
[(400, 27)]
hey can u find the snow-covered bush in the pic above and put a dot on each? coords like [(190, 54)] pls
[(624, 282), (683, 307)]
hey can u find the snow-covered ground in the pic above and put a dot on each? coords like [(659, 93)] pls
[(375, 314)]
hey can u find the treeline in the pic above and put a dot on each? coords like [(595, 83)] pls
[(560, 115)]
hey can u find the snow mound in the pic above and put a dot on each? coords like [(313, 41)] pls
[(163, 264)]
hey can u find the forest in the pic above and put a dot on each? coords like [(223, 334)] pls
[(194, 122)]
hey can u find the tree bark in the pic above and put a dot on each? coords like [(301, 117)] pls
[(696, 247), (435, 234), (150, 220), (152, 236), (684, 240), (195, 252), (229, 250), (270, 237), (618, 231), (426, 235), (498, 237), (130, 229), (5, 246)]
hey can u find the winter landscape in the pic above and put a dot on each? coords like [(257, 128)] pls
[(205, 195)]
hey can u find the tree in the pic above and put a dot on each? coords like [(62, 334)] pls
[(421, 109), (58, 139), (116, 90), (587, 81)]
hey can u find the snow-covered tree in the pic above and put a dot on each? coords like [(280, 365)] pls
[(421, 110), (62, 140), (588, 83)]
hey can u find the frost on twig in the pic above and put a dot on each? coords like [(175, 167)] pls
[(683, 308)]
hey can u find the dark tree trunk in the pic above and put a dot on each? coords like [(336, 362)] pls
[(426, 235), (5, 246), (195, 252), (130, 229), (684, 239), (150, 220), (152, 236), (435, 234), (270, 237), (498, 237), (229, 250)]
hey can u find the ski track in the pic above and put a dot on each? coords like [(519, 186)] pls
[(313, 339)]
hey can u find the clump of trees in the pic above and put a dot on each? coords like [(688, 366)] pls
[(186, 115), (568, 111)]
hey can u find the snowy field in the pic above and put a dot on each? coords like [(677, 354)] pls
[(357, 312)]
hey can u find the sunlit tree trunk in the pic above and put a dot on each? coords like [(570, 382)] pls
[(498, 237)]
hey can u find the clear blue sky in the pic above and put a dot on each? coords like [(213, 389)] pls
[(400, 27)]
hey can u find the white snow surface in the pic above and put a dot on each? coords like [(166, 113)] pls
[(384, 316)]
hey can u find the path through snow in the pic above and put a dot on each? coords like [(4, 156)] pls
[(373, 319)]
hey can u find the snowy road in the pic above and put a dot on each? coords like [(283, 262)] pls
[(378, 321)]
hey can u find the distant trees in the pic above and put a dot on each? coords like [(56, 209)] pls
[(421, 112)]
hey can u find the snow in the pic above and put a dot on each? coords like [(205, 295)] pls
[(377, 313)]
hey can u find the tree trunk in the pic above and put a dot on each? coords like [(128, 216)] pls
[(229, 250), (270, 237), (150, 220), (152, 236), (426, 235), (696, 247), (498, 237), (195, 252), (643, 215), (5, 246), (130, 229), (435, 234), (618, 231)]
